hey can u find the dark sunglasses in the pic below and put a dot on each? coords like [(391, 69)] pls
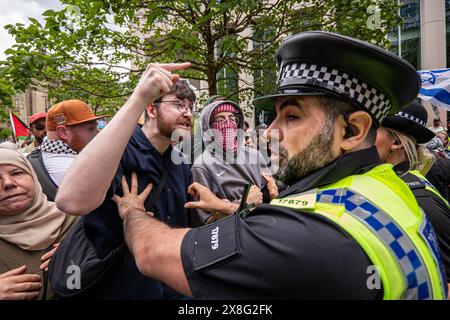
[(39, 126)]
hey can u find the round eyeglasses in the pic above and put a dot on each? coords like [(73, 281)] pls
[(181, 106)]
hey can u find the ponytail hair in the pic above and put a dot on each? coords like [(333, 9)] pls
[(419, 158)]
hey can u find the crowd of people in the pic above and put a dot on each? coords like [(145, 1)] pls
[(346, 180)]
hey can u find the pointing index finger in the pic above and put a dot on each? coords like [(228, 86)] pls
[(175, 66)]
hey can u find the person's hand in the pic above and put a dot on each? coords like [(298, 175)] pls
[(18, 285), (47, 256), (255, 195), (130, 199), (271, 185), (206, 200), (157, 80)]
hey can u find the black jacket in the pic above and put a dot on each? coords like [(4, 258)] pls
[(439, 176), (437, 211)]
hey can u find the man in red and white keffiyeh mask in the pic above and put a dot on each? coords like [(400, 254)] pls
[(226, 165), (225, 120)]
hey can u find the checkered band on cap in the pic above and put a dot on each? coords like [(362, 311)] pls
[(411, 117), (376, 102)]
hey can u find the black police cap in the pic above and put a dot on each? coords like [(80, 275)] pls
[(411, 120), (318, 63)]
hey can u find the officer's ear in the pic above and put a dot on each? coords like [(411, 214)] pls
[(354, 130), (396, 146)]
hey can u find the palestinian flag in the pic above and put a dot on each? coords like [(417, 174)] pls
[(20, 129)]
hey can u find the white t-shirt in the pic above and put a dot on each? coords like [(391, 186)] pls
[(57, 165)]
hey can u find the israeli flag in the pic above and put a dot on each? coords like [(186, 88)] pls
[(436, 87)]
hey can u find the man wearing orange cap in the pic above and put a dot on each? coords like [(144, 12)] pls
[(71, 124), (38, 130)]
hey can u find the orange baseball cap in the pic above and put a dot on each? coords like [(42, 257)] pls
[(68, 113), (37, 116)]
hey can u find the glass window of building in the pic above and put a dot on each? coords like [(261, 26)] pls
[(405, 40), (263, 78), (227, 77)]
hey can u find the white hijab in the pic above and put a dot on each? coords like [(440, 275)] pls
[(40, 225)]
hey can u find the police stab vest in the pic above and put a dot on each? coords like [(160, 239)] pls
[(380, 212)]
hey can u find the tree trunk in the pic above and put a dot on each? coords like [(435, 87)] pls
[(212, 82)]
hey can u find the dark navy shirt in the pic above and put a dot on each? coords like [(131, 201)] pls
[(104, 225)]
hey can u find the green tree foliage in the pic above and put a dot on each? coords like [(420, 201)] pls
[(6, 92), (82, 51)]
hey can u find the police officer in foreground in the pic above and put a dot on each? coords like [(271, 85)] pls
[(397, 143), (345, 214)]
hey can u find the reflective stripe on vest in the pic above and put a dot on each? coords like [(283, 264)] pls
[(427, 228), (379, 223), (380, 212)]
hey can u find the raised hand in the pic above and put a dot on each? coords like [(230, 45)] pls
[(47, 256), (157, 80), (206, 200), (255, 195), (271, 185), (131, 199)]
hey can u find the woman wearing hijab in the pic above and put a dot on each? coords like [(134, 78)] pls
[(397, 143), (29, 227)]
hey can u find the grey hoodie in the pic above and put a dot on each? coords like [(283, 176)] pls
[(226, 179)]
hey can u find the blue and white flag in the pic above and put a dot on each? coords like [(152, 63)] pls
[(436, 87)]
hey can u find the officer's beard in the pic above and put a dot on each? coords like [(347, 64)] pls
[(315, 156)]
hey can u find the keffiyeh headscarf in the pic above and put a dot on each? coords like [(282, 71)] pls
[(227, 129), (436, 147), (56, 147)]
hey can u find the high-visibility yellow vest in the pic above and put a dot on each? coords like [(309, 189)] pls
[(380, 212)]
